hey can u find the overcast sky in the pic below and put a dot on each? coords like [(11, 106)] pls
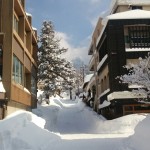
[(74, 21)]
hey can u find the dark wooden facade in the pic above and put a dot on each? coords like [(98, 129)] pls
[(112, 43)]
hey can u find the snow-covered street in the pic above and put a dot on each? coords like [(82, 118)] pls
[(70, 124)]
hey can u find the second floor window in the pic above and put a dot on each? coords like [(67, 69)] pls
[(138, 37), (136, 7)]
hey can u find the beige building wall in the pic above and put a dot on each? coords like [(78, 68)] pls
[(13, 107), (19, 40), (103, 80)]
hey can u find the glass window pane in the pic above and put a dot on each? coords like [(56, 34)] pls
[(17, 70)]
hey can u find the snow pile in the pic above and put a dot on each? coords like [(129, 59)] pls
[(23, 131), (123, 125), (67, 124), (141, 137)]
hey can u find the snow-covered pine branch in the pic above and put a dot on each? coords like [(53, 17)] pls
[(139, 76)]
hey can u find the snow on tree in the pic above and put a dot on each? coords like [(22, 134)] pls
[(139, 76), (53, 70)]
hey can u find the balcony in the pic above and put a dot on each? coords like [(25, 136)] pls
[(102, 62), (91, 82), (90, 52), (92, 63), (22, 3), (18, 7)]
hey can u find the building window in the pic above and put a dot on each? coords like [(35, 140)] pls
[(17, 70), (136, 7), (16, 23), (27, 79), (138, 37)]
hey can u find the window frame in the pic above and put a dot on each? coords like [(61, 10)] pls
[(17, 74), (138, 36), (16, 23)]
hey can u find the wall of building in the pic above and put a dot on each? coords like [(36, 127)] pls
[(14, 106), (20, 41)]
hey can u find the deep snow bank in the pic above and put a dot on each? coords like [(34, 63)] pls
[(140, 139), (24, 131)]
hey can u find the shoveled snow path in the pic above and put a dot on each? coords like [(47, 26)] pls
[(73, 122), (78, 127), (78, 132)]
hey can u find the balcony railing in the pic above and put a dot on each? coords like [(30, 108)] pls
[(102, 62), (22, 3)]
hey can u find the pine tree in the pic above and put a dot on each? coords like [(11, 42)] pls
[(139, 76), (53, 70)]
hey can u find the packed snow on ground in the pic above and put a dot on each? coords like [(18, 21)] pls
[(70, 125)]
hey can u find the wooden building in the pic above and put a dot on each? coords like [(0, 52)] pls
[(18, 57), (123, 37)]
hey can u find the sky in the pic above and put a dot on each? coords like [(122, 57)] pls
[(74, 21), (71, 125)]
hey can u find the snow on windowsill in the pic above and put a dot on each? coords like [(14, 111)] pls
[(105, 92), (135, 86), (34, 28), (137, 49), (104, 104), (28, 14)]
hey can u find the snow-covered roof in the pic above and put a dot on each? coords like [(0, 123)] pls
[(87, 78), (133, 2), (115, 3), (123, 95), (131, 14)]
